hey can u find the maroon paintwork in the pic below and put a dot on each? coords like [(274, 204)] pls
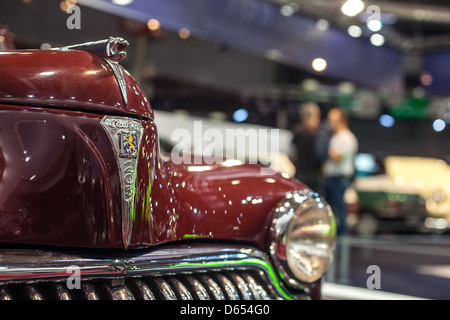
[(59, 181), (219, 203), (71, 80)]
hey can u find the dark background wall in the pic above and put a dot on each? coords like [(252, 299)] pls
[(411, 138)]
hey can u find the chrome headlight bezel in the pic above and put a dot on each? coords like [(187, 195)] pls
[(311, 218)]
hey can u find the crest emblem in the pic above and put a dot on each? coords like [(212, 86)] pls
[(125, 135), (128, 144)]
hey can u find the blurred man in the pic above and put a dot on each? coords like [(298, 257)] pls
[(339, 167), (307, 167)]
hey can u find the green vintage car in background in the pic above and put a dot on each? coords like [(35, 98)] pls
[(385, 197)]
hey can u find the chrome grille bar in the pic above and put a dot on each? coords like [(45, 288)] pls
[(142, 290), (199, 290), (214, 285)]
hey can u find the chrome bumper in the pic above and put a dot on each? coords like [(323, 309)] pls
[(171, 272)]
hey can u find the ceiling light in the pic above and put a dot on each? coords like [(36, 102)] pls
[(439, 125), (310, 84), (65, 5), (240, 115), (346, 87), (319, 64), (377, 39), (426, 78), (386, 120), (288, 10), (122, 2), (153, 24), (352, 7), (374, 25), (322, 25), (184, 33), (354, 31)]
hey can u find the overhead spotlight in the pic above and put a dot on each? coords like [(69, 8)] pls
[(289, 9), (310, 84), (439, 125), (377, 40), (426, 78), (354, 31), (319, 64), (153, 24), (386, 120), (374, 25), (322, 25), (352, 7), (66, 4), (346, 87), (184, 33), (240, 115), (122, 2)]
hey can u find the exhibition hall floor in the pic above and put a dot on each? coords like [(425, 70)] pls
[(402, 267)]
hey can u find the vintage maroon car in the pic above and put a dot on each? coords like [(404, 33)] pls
[(86, 195)]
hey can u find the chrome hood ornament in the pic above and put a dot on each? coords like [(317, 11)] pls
[(126, 135), (112, 50)]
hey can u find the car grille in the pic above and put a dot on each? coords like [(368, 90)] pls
[(237, 285), (205, 272)]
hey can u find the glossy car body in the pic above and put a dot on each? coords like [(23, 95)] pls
[(83, 184)]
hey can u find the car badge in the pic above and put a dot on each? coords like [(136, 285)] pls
[(125, 135)]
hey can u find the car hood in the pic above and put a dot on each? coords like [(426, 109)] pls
[(68, 79)]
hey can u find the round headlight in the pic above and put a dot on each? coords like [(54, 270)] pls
[(303, 235)]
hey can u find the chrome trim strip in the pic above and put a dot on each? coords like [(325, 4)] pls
[(18, 266), (118, 129)]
